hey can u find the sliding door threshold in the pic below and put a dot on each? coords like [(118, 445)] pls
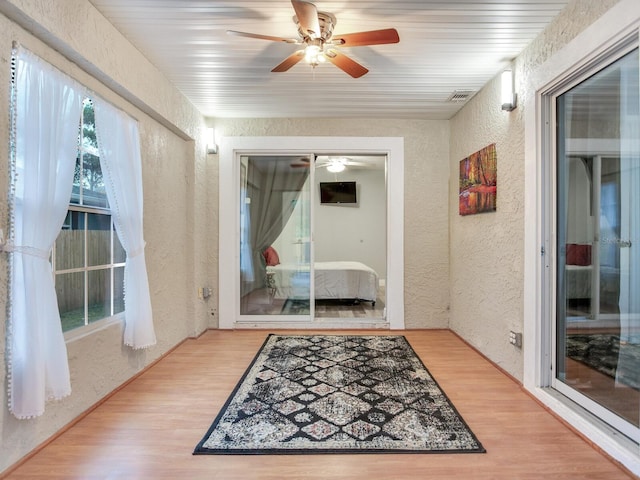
[(322, 323)]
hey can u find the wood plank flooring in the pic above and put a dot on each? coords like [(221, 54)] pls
[(148, 429)]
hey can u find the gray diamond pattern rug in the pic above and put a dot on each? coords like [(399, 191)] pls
[(337, 394)]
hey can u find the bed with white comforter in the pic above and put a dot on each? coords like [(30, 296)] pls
[(332, 280)]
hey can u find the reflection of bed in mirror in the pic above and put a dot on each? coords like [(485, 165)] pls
[(579, 276), (338, 280), (578, 281)]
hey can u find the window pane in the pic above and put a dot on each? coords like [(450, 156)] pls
[(98, 239), (93, 193), (99, 299), (89, 173), (89, 140), (70, 242), (118, 290), (119, 255), (70, 292), (77, 180), (85, 241)]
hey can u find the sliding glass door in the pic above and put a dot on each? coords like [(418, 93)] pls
[(275, 236), (597, 347), (254, 296), (341, 275), (350, 238)]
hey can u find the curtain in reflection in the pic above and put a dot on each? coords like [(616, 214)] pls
[(629, 218), (246, 262), (268, 180)]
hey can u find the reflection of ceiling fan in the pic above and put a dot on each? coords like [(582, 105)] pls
[(337, 164), (300, 162), (315, 30), (332, 164)]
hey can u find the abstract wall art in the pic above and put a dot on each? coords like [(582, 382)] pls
[(478, 186)]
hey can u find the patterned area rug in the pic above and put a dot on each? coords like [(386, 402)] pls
[(606, 354), (337, 394)]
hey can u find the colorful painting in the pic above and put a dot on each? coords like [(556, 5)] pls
[(478, 186)]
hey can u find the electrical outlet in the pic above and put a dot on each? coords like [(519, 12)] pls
[(515, 339), (204, 293)]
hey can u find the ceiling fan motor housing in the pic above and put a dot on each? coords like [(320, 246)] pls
[(327, 22)]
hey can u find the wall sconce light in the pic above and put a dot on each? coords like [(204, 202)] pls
[(212, 148), (508, 94)]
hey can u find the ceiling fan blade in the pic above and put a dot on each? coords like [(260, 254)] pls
[(289, 62), (262, 37), (305, 162), (373, 37), (307, 17), (356, 164), (344, 63)]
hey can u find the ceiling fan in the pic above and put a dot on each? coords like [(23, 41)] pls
[(315, 30)]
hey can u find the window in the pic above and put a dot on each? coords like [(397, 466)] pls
[(87, 257)]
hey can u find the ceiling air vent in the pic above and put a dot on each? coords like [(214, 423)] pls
[(460, 96)]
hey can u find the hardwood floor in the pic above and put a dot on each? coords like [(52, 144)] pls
[(148, 429)]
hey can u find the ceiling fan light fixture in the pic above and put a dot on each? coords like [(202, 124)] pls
[(314, 55), (336, 165)]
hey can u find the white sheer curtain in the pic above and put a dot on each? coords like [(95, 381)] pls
[(47, 110), (119, 145)]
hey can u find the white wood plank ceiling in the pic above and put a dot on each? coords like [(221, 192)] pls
[(445, 46)]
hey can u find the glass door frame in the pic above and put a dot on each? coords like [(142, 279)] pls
[(231, 148), (618, 24), (550, 226)]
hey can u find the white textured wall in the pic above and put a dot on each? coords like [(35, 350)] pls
[(426, 236), (179, 202), (487, 250)]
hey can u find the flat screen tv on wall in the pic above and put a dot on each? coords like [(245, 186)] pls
[(338, 192)]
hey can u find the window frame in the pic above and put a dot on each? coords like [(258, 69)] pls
[(86, 210)]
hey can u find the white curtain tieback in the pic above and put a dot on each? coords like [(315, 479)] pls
[(26, 250)]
